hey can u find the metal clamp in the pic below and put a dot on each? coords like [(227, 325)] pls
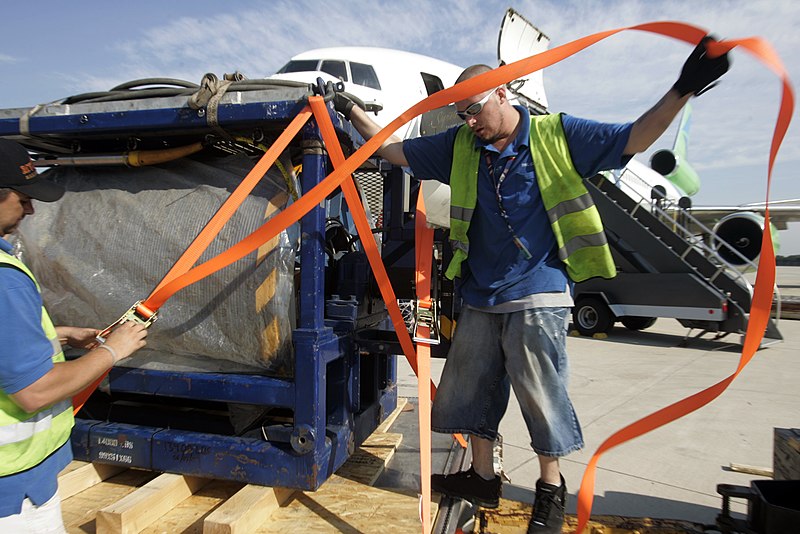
[(426, 317), (138, 313)]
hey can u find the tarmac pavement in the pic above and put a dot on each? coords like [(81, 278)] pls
[(673, 471)]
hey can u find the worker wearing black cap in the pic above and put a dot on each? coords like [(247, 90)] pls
[(36, 383)]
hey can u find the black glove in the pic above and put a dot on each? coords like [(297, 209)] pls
[(700, 72), (343, 104)]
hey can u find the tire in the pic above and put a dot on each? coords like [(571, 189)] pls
[(592, 316), (633, 322)]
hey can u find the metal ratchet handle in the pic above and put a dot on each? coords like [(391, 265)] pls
[(137, 313)]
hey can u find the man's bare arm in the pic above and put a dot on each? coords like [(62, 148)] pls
[(700, 73), (65, 379), (391, 149), (654, 122)]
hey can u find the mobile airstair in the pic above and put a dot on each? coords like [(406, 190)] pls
[(664, 270)]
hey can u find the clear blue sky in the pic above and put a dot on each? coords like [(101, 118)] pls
[(53, 49)]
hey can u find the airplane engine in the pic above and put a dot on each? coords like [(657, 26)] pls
[(742, 232), (670, 165)]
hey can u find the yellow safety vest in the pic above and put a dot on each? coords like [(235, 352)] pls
[(26, 439), (574, 218)]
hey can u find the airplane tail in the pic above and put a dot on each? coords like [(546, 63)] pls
[(674, 164)]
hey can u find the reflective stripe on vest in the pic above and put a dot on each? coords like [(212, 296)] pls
[(39, 422), (28, 438), (574, 218)]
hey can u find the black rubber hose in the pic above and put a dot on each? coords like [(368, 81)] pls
[(154, 81), (128, 91)]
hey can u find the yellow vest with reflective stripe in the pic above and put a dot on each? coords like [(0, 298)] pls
[(574, 218), (26, 439)]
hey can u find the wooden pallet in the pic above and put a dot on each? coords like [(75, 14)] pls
[(109, 499)]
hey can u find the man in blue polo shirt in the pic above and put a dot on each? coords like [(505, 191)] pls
[(36, 383), (523, 229)]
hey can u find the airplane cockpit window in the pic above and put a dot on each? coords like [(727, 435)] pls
[(432, 83), (364, 75), (301, 65), (337, 69)]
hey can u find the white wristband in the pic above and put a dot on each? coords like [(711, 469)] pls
[(111, 351)]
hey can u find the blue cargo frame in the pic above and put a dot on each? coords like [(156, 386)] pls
[(325, 394)]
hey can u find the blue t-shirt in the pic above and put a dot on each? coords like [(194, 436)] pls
[(25, 357), (496, 270)]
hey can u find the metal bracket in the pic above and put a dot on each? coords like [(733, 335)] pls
[(426, 317)]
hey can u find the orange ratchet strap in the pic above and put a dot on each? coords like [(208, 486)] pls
[(765, 279), (423, 238), (762, 298), (420, 361)]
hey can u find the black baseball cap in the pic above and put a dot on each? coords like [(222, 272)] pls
[(17, 172)]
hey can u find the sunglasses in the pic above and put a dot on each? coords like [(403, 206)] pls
[(475, 108)]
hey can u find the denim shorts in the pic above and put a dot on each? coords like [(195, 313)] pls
[(493, 352)]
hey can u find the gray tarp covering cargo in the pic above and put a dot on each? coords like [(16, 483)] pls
[(117, 232)]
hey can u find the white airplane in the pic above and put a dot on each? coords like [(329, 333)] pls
[(390, 81)]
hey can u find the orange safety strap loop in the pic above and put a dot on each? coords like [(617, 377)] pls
[(762, 295), (481, 83)]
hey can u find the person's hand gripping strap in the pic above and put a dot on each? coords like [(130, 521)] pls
[(343, 103), (702, 69)]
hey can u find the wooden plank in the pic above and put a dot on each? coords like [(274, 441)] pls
[(367, 463), (246, 510), (151, 503), (139, 509), (389, 421), (352, 508), (78, 476), (189, 516), (79, 511), (751, 469)]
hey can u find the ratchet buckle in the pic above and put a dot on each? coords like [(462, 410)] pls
[(138, 313), (426, 315)]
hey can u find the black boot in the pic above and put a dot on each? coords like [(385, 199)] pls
[(470, 486), (548, 508)]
